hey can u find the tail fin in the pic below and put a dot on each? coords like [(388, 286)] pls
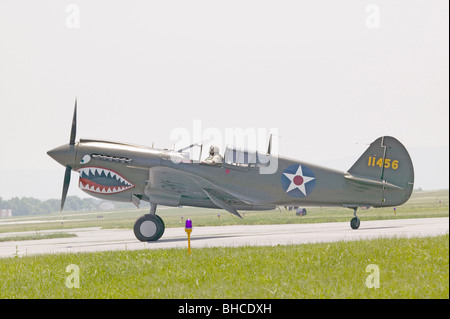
[(386, 163)]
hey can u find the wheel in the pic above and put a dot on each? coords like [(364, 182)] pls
[(354, 223), (149, 228)]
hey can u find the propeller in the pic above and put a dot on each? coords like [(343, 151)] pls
[(269, 148), (68, 172), (73, 132)]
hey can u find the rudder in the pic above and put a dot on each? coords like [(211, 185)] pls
[(387, 160)]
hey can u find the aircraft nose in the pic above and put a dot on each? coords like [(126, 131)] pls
[(64, 154)]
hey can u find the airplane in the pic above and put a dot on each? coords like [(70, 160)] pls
[(382, 177)]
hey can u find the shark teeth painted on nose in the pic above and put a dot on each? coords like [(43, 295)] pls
[(102, 181)]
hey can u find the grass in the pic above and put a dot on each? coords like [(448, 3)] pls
[(408, 268), (36, 236), (421, 205)]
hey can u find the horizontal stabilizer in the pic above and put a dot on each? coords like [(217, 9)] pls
[(372, 182)]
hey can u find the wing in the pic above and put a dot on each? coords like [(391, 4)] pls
[(173, 187)]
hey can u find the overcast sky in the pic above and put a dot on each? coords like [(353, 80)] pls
[(330, 76)]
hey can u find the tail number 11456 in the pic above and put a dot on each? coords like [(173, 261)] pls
[(387, 162)]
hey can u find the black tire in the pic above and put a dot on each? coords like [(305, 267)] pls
[(149, 228), (354, 223)]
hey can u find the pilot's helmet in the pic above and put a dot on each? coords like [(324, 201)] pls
[(213, 150)]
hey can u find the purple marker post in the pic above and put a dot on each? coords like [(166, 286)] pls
[(188, 230)]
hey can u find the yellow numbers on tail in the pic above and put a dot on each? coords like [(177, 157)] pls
[(388, 163)]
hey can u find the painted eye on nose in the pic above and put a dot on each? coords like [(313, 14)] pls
[(86, 158)]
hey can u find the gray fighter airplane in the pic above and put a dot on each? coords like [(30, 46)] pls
[(383, 176)]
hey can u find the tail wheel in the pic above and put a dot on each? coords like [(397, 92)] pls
[(149, 228), (354, 223)]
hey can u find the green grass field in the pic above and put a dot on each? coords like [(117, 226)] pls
[(420, 205), (36, 236), (408, 268)]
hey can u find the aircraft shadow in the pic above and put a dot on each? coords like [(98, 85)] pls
[(381, 227)]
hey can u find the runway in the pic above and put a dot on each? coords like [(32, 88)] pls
[(95, 239)]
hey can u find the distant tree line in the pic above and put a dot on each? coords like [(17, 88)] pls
[(33, 206)]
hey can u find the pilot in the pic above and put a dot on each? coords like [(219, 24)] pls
[(214, 156)]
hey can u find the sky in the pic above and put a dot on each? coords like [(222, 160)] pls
[(329, 77)]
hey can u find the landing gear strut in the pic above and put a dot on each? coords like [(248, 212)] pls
[(354, 223), (149, 227)]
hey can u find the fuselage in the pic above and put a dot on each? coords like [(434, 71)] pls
[(120, 172)]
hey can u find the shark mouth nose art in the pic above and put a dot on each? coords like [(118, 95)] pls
[(102, 181)]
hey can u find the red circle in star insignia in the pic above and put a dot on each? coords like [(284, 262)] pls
[(298, 180)]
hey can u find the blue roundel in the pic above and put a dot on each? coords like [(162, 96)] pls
[(298, 180)]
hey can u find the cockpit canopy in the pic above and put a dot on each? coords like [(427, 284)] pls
[(245, 158), (232, 156)]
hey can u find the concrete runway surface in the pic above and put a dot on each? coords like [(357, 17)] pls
[(96, 239)]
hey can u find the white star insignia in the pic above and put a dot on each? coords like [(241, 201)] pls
[(298, 180)]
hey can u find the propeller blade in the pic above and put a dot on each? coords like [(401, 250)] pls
[(73, 132), (269, 148), (66, 185)]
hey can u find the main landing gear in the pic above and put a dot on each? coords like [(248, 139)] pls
[(354, 223), (149, 227)]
